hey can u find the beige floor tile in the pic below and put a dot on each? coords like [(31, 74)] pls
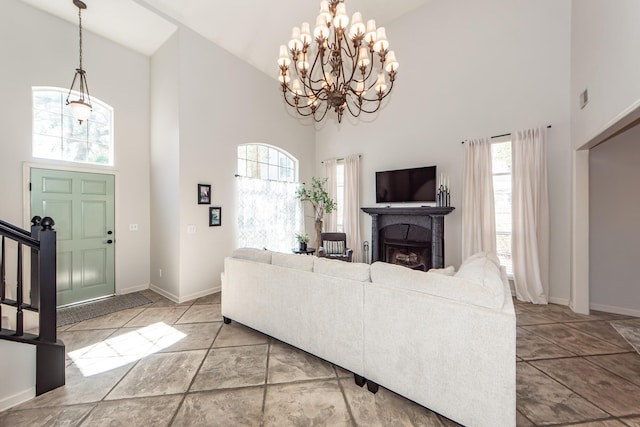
[(572, 339), (626, 365), (142, 412), (79, 388), (62, 416), (236, 334), (604, 331), (223, 408), (522, 421), (530, 346), (632, 422), (610, 392), (109, 321), (209, 299), (545, 401), (287, 363), (232, 367), (201, 314), (159, 374), (152, 315), (532, 318), (306, 404), (197, 336), (385, 408)]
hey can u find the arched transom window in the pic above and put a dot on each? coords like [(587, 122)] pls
[(58, 136), (266, 162)]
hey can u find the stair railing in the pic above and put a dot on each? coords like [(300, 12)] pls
[(50, 353)]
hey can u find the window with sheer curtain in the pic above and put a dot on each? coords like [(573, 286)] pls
[(269, 214), (502, 190)]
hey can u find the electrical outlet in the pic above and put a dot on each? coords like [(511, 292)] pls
[(191, 229), (160, 272), (133, 227), (584, 98)]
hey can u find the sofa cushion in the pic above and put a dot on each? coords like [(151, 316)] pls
[(448, 271), (298, 262), (449, 287), (483, 270), (253, 254), (483, 255), (340, 269)]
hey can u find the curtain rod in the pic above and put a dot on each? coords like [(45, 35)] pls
[(359, 156), (506, 134)]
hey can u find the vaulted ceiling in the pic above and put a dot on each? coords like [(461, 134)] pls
[(250, 29)]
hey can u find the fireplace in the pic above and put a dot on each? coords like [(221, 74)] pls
[(411, 237)]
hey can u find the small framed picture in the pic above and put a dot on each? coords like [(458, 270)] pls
[(215, 216), (204, 194)]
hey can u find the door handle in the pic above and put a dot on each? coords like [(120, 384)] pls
[(108, 241)]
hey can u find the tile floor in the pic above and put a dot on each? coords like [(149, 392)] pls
[(179, 365)]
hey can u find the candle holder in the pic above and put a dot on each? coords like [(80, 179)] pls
[(443, 196)]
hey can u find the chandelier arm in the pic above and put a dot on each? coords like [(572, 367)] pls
[(378, 98), (359, 106), (324, 113)]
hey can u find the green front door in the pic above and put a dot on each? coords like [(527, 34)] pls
[(82, 207)]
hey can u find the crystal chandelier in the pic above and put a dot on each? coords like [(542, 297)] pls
[(338, 67), (80, 108)]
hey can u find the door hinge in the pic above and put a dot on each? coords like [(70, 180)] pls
[(29, 186)]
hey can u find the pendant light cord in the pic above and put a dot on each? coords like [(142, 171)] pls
[(80, 30)]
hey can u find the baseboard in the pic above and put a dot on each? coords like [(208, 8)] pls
[(184, 298), (559, 301), (200, 294), (16, 399), (132, 289), (615, 310), (164, 293)]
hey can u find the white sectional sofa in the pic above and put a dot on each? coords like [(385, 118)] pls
[(447, 342)]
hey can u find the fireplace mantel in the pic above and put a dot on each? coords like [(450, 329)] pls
[(428, 217)]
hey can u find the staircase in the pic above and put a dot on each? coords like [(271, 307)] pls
[(40, 247)]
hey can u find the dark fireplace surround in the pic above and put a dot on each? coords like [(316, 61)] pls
[(410, 236)]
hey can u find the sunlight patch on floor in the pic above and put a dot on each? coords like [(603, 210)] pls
[(123, 349)]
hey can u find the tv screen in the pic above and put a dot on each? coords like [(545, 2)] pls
[(406, 185)]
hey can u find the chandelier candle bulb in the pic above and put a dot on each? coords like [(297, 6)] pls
[(363, 57), (381, 84), (296, 87), (357, 27), (283, 59), (381, 43), (341, 20), (371, 31), (392, 63), (295, 43), (305, 34), (322, 30), (324, 11)]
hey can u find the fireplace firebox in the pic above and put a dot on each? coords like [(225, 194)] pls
[(411, 237)]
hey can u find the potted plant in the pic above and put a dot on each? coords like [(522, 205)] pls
[(320, 200), (302, 239)]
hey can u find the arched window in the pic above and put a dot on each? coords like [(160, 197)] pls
[(266, 162), (58, 136), (269, 214)]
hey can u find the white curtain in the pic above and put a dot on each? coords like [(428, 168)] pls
[(478, 211), (331, 220), (530, 239), (351, 209), (269, 214)]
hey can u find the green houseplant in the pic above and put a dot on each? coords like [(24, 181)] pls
[(320, 200), (302, 239)]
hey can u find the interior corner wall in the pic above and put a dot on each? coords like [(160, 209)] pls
[(223, 102), (39, 49), (613, 224), (477, 69), (165, 169)]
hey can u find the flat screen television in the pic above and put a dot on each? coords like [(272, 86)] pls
[(415, 185)]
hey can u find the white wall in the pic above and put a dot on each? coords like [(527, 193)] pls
[(41, 50), (165, 169), (470, 69), (614, 230), (223, 102), (604, 59), (19, 378)]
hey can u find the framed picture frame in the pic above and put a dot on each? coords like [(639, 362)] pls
[(215, 216), (204, 194)]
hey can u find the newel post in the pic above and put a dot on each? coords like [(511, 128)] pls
[(47, 261)]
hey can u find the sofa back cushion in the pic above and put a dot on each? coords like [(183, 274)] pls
[(484, 270), (298, 262), (253, 254), (340, 269), (439, 285)]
